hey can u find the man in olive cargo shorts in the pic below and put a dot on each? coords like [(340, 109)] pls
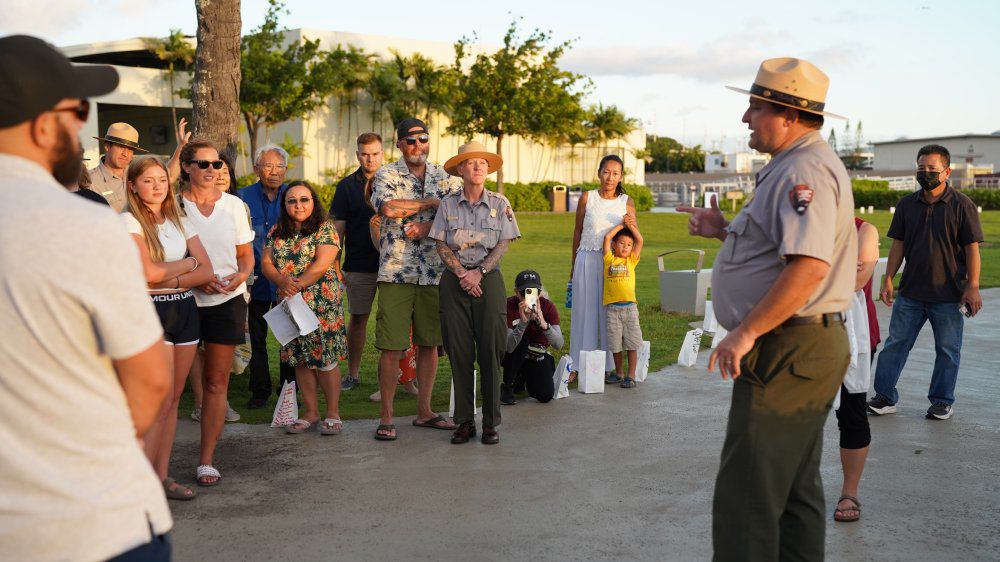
[(780, 284)]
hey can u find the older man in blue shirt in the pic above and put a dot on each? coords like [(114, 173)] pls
[(264, 200)]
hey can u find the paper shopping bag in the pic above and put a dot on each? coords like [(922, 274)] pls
[(451, 399), (720, 334), (642, 362), (241, 357), (560, 378), (590, 375), (710, 324), (689, 349), (286, 411)]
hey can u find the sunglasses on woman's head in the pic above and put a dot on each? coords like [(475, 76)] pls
[(424, 139), (204, 164)]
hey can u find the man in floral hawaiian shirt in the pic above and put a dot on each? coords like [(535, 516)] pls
[(406, 194)]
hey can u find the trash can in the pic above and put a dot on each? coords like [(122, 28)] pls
[(684, 290), (574, 198), (558, 198)]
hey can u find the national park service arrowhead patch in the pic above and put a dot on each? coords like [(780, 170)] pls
[(801, 196)]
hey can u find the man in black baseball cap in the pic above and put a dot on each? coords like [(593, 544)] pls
[(78, 330), (410, 126), (43, 103)]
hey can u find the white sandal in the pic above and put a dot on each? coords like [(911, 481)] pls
[(305, 425), (206, 470), (331, 426)]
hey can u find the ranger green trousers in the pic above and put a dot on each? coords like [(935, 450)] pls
[(475, 331), (768, 501)]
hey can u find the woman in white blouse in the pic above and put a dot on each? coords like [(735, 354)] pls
[(222, 223)]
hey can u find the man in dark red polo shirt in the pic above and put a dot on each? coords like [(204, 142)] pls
[(530, 332), (937, 230)]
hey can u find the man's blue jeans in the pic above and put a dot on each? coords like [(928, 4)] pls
[(908, 317)]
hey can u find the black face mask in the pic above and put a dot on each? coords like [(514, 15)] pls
[(928, 180)]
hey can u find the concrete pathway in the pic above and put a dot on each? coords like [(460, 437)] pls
[(624, 475)]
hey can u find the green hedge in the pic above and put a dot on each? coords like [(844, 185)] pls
[(858, 184), (988, 199)]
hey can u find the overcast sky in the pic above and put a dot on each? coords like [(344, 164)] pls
[(904, 68)]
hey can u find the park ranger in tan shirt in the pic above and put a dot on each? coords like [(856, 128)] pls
[(780, 284), (108, 179)]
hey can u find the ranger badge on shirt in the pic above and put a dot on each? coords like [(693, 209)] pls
[(801, 196)]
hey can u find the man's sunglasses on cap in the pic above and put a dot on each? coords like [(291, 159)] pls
[(424, 139), (204, 164), (81, 110)]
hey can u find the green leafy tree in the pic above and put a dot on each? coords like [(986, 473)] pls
[(384, 89), (517, 90), (281, 83), (177, 52), (666, 155), (353, 68)]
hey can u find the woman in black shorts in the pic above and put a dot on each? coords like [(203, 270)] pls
[(173, 260), (223, 224)]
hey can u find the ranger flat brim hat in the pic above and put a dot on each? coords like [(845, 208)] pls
[(791, 82), (123, 134), (36, 76), (469, 150)]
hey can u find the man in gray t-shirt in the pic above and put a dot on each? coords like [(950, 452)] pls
[(83, 366), (780, 284)]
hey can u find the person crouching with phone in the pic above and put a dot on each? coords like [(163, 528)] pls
[(622, 245), (532, 327)]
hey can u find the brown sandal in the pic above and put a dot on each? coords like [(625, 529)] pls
[(175, 491), (838, 514)]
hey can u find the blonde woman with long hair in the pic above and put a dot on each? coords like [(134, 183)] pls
[(174, 260)]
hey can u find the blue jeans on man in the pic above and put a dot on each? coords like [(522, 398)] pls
[(908, 317)]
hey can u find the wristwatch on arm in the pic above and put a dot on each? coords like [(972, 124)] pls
[(482, 270)]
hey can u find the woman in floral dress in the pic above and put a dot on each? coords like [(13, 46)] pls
[(301, 257)]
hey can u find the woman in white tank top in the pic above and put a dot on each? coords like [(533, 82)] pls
[(598, 212)]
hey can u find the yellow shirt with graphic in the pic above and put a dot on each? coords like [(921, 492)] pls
[(619, 278)]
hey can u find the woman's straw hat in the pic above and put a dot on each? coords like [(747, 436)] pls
[(793, 83), (469, 150)]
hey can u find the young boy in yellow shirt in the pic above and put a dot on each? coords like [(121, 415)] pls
[(622, 246)]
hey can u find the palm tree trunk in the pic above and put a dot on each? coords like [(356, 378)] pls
[(216, 86), (173, 106)]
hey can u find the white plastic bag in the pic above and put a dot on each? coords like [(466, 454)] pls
[(590, 375), (689, 349), (720, 334), (642, 362), (451, 399), (560, 378), (286, 411), (710, 324)]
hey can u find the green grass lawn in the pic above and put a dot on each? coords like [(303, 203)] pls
[(545, 247)]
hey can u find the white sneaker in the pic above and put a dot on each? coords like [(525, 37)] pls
[(196, 414), (231, 414)]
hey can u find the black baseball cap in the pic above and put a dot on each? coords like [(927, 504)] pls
[(403, 129), (527, 279), (35, 76)]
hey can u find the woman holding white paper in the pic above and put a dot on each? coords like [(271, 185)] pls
[(301, 257)]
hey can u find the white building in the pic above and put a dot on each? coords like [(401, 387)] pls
[(736, 162), (329, 134), (980, 152)]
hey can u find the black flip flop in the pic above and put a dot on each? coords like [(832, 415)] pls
[(432, 423), (385, 427)]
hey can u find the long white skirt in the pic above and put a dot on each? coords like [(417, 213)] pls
[(588, 322)]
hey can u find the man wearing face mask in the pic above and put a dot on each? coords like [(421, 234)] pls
[(937, 231)]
